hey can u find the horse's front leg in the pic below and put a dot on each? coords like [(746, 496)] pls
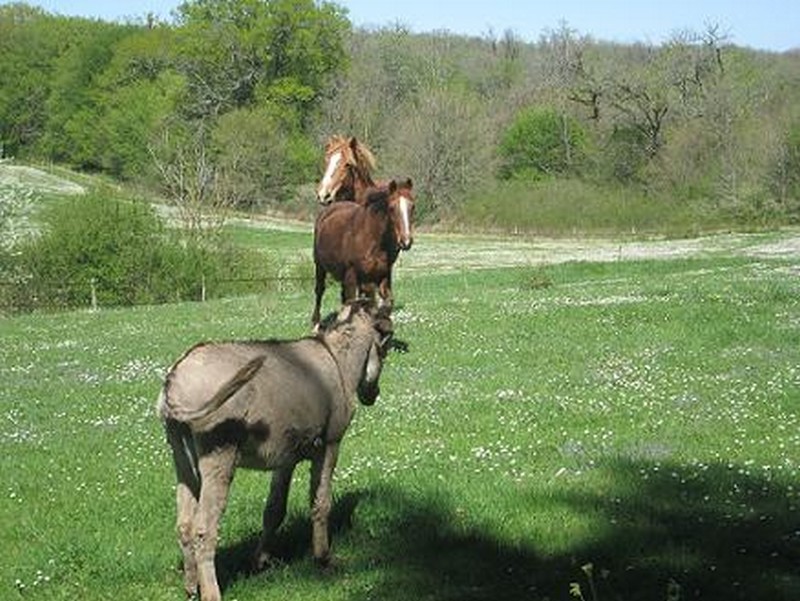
[(349, 285), (322, 467), (385, 292), (319, 291), (368, 291)]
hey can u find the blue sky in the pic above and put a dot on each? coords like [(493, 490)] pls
[(765, 24)]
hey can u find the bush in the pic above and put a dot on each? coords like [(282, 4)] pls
[(119, 249), (571, 207)]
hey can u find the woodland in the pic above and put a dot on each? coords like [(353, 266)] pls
[(229, 102)]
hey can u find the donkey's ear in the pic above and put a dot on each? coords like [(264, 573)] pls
[(345, 313)]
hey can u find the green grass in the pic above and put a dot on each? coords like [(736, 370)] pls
[(639, 416)]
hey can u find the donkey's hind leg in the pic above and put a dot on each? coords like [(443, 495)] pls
[(187, 493), (274, 513)]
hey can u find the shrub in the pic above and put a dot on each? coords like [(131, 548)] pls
[(119, 249), (572, 206)]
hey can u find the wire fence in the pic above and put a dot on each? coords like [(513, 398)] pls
[(41, 295)]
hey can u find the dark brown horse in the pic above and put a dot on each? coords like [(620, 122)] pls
[(358, 245), (348, 171)]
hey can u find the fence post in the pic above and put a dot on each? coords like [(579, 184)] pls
[(94, 294)]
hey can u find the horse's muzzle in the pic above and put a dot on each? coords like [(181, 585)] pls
[(406, 244)]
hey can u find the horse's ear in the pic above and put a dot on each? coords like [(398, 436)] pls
[(392, 186), (408, 183), (353, 143)]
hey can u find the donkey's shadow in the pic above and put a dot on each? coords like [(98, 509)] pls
[(292, 544)]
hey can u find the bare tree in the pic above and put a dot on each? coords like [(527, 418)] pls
[(196, 189)]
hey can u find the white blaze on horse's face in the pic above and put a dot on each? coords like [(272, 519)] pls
[(325, 193), (405, 215)]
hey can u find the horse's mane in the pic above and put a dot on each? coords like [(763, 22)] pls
[(378, 199), (363, 157)]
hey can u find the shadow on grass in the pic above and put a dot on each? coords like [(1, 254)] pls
[(675, 535)]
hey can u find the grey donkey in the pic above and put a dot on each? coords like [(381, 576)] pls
[(264, 405)]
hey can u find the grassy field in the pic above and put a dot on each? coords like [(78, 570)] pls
[(619, 430)]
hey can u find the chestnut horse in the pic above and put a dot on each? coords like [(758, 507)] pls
[(348, 171), (358, 244)]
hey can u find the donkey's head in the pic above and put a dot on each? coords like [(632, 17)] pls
[(361, 337)]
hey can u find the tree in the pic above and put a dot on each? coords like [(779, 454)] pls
[(73, 111), (135, 96), (261, 158), (229, 49), (441, 154), (540, 143), (191, 181), (30, 41)]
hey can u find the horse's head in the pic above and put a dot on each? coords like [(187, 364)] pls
[(400, 205), (346, 161)]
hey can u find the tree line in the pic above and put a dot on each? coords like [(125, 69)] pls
[(230, 101)]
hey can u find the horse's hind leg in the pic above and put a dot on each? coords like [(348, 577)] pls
[(319, 290)]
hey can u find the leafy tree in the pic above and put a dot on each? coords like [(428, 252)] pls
[(786, 181), (261, 157), (73, 112), (230, 48), (541, 143), (137, 93), (30, 41)]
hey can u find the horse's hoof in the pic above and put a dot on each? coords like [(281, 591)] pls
[(263, 561)]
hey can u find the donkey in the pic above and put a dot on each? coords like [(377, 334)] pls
[(358, 245), (264, 405)]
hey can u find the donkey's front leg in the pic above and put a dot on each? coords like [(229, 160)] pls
[(322, 500), (274, 512)]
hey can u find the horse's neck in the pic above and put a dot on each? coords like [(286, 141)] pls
[(362, 185), (379, 222)]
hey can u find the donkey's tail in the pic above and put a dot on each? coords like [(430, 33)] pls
[(225, 392)]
